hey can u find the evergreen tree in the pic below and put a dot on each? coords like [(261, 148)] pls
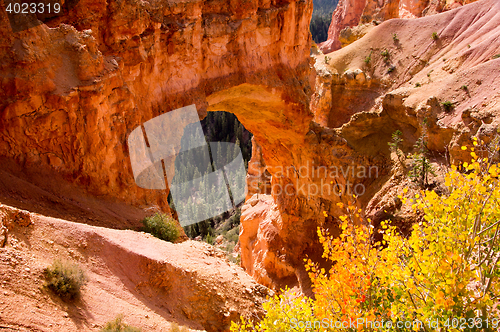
[(321, 19), (238, 129), (237, 149), (421, 166), (219, 160), (224, 127), (218, 127)]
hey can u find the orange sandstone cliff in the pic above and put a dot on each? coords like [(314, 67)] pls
[(362, 96), (75, 87), (72, 91)]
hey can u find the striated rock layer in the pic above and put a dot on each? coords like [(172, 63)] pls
[(72, 90), (350, 13)]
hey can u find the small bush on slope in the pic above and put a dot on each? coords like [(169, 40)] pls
[(162, 226), (448, 268), (65, 279), (118, 326), (447, 105)]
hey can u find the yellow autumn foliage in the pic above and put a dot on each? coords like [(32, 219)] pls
[(441, 277)]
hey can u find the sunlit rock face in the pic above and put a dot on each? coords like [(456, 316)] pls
[(347, 14), (77, 87), (356, 107), (350, 13), (74, 89), (74, 92)]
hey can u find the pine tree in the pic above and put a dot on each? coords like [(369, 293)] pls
[(421, 166), (219, 160), (209, 169), (224, 126), (237, 149), (238, 129)]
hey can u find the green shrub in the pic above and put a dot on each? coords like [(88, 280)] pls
[(385, 53), (391, 69), (368, 58), (395, 38), (162, 226), (233, 234), (65, 279), (118, 326), (448, 105), (210, 239), (418, 85), (496, 56), (435, 36), (464, 87)]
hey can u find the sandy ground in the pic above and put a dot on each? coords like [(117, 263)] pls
[(153, 283)]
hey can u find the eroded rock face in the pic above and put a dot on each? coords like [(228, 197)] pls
[(349, 35), (350, 13), (258, 178), (347, 14), (73, 91), (357, 106), (74, 95), (409, 86), (261, 221)]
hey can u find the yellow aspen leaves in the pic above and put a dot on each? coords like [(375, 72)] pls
[(442, 267)]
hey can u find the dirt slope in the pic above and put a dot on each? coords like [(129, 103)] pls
[(151, 282), (27, 188), (350, 13)]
